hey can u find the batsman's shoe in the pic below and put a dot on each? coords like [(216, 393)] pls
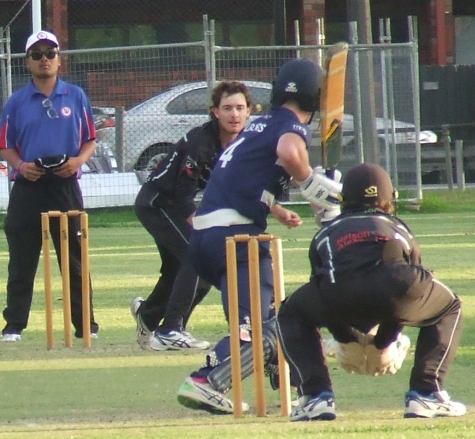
[(197, 393), (319, 407), (437, 404), (144, 335), (175, 341)]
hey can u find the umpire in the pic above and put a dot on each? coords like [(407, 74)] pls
[(366, 271), (46, 134)]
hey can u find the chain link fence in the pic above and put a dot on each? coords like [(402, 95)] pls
[(146, 97)]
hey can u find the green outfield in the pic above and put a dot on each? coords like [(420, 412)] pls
[(116, 390)]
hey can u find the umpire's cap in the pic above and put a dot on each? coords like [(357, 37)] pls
[(367, 185)]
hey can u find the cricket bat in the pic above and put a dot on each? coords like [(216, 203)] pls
[(332, 103)]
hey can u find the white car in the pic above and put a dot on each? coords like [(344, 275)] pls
[(153, 126)]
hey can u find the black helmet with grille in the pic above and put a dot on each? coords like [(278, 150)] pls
[(298, 80)]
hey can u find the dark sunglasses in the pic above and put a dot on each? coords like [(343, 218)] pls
[(50, 54)]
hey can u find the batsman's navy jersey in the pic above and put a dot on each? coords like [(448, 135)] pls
[(356, 242), (248, 177)]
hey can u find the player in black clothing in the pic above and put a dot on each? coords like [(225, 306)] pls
[(165, 206), (366, 271)]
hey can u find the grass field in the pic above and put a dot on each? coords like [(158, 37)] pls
[(116, 390)]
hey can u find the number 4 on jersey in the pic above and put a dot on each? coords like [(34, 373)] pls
[(227, 155)]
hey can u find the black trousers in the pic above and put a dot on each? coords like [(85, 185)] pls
[(178, 289), (22, 228), (380, 296)]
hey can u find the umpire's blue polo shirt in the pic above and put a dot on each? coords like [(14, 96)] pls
[(37, 126)]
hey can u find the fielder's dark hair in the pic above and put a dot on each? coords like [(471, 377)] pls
[(368, 186), (229, 88)]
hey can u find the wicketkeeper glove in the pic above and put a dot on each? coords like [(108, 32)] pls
[(351, 357), (363, 357), (388, 360)]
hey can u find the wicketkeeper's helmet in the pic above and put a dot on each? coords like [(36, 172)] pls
[(298, 80), (367, 185)]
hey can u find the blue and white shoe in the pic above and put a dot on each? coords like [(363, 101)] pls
[(437, 404), (144, 335), (176, 341), (312, 408), (198, 394)]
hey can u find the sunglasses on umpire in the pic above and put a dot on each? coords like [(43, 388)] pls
[(50, 54), (50, 111)]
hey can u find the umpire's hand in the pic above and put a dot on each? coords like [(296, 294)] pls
[(68, 168), (30, 171)]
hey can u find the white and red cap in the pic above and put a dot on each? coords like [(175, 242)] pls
[(42, 35)]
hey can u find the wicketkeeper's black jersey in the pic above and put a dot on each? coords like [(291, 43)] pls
[(355, 242)]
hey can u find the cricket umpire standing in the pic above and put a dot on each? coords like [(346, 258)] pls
[(46, 134), (366, 271)]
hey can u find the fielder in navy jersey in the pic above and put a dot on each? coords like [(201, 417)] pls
[(46, 134), (242, 191)]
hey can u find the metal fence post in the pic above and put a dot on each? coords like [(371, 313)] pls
[(119, 138), (448, 157), (459, 164)]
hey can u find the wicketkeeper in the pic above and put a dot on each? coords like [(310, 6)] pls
[(366, 271)]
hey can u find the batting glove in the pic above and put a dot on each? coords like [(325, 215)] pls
[(323, 215), (320, 190), (333, 174)]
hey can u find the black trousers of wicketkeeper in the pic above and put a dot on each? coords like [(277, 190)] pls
[(380, 295)]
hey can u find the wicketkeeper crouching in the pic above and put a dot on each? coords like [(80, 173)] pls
[(366, 284)]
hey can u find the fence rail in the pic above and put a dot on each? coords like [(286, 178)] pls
[(128, 87)]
